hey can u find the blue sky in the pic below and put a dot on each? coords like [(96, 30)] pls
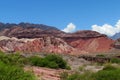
[(59, 13)]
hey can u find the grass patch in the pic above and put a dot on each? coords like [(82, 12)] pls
[(109, 72), (108, 67), (50, 61), (13, 59), (115, 60), (77, 76), (8, 72), (11, 67), (81, 68), (100, 55)]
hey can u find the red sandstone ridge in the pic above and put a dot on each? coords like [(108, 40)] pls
[(84, 34), (29, 32), (54, 40), (90, 41), (37, 45)]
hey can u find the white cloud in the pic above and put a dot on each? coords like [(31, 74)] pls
[(107, 29), (70, 28)]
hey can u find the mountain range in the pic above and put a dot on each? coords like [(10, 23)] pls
[(37, 38), (116, 36)]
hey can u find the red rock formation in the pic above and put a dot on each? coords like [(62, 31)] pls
[(55, 41), (29, 32), (46, 44), (90, 41)]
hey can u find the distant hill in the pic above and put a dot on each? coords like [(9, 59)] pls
[(116, 36), (28, 30), (26, 25), (35, 38)]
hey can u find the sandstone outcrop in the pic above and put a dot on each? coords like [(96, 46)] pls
[(90, 41), (37, 45)]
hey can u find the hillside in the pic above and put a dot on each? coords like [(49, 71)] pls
[(40, 52), (36, 38), (25, 25)]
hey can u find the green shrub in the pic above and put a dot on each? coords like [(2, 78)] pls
[(115, 60), (58, 60), (53, 65), (13, 59), (17, 59), (10, 67), (35, 60), (9, 72), (68, 67), (51, 61), (109, 72), (107, 75), (109, 67), (77, 76), (100, 55)]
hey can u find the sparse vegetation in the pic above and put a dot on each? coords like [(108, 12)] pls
[(115, 60), (10, 68), (108, 66), (109, 72), (100, 55), (13, 59), (51, 61), (64, 75), (9, 72), (77, 76), (81, 68)]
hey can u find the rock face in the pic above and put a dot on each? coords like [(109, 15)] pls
[(92, 44), (90, 41), (36, 45), (46, 73), (31, 39)]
